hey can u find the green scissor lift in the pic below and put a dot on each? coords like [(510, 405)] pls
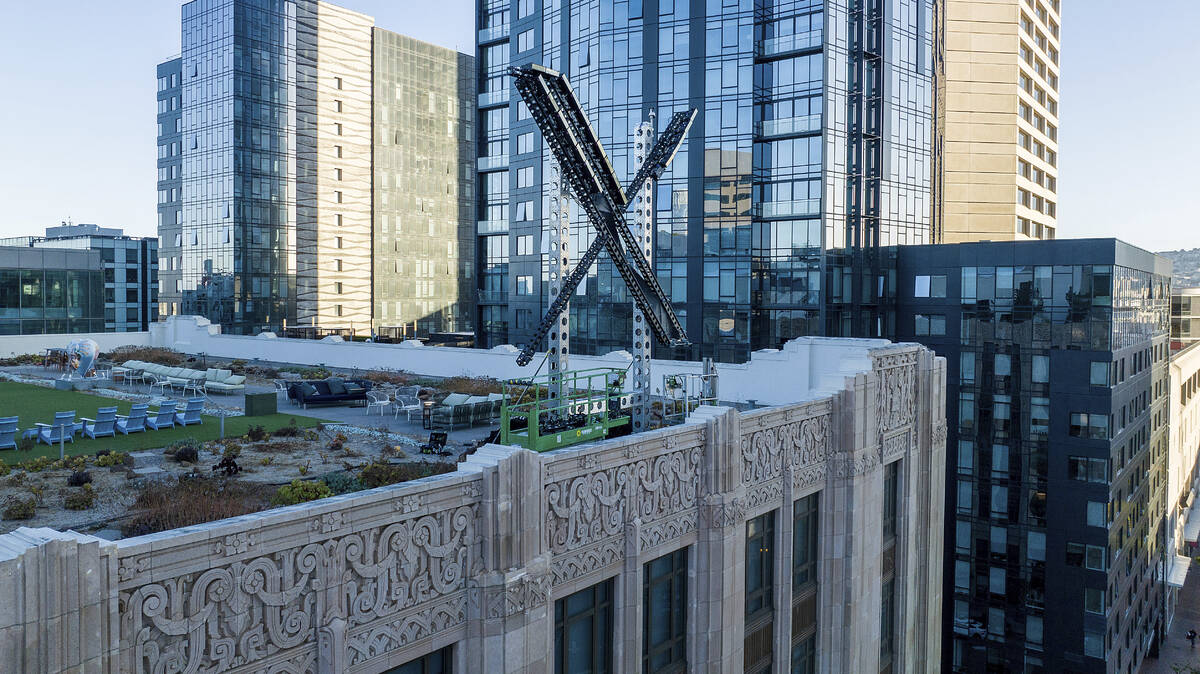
[(592, 405)]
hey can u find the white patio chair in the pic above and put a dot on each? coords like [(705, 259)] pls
[(377, 399)]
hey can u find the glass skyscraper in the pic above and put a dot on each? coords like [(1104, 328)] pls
[(810, 152), (1056, 501), (288, 155)]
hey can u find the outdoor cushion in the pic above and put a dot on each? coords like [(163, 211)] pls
[(455, 399), (223, 375), (336, 387), (495, 396), (235, 380), (308, 390), (475, 399)]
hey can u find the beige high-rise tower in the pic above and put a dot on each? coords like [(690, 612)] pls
[(1000, 132)]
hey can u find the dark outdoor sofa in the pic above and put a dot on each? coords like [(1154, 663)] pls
[(328, 392)]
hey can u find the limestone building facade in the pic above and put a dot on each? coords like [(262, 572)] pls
[(805, 535)]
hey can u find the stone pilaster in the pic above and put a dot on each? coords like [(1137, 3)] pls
[(510, 627), (58, 610), (717, 627)]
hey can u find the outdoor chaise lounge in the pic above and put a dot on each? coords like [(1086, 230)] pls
[(103, 426), (211, 380), (135, 422), (61, 430), (164, 417), (191, 413), (8, 432)]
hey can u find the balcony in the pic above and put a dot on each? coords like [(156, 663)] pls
[(783, 209), (485, 227), (492, 296), (493, 98), (493, 163), (779, 46), (789, 126), (493, 34)]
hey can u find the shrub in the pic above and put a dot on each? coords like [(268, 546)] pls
[(80, 500), (170, 504), (289, 431), (338, 443), (185, 443), (107, 459), (231, 449), (387, 377), (266, 460), (4, 468), (147, 354), (26, 444), (238, 366), (16, 479), (79, 478), (257, 434), (342, 483), (36, 465), (311, 436), (380, 474), (305, 468), (20, 509), (37, 490), (23, 359), (307, 372), (300, 491), (476, 386)]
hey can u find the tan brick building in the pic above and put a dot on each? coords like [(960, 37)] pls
[(1000, 131)]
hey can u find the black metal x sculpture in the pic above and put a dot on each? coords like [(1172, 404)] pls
[(589, 177)]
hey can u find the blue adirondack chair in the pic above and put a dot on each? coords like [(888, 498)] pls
[(135, 422), (8, 432), (103, 426), (191, 414), (63, 429), (164, 417)]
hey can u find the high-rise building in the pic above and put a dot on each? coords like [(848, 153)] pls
[(1183, 473), (1185, 317), (999, 97), (296, 138), (811, 150), (1057, 391), (107, 282)]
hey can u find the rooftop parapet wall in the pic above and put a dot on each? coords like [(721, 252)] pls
[(371, 580), (805, 368)]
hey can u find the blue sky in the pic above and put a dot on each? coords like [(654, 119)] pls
[(77, 131)]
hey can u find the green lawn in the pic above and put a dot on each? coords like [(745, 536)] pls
[(35, 404)]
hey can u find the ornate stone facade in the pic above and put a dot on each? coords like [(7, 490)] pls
[(476, 559)]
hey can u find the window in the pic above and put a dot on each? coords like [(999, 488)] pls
[(1094, 426), (337, 106), (966, 456), (337, 128), (930, 324), (1074, 554), (930, 286), (337, 196), (524, 285), (583, 631), (525, 143), (337, 288), (337, 83), (525, 40), (665, 597), (1040, 373), (760, 590), (966, 368), (999, 501), (1093, 643), (437, 662), (337, 174), (1099, 373), (525, 177), (337, 151), (1093, 600), (524, 211), (1096, 516), (1096, 558), (525, 244)]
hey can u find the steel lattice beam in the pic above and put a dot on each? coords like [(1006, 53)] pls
[(589, 176)]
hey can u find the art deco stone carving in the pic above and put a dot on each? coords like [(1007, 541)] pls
[(896, 397), (245, 612)]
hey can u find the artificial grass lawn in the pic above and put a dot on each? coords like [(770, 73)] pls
[(35, 404)]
